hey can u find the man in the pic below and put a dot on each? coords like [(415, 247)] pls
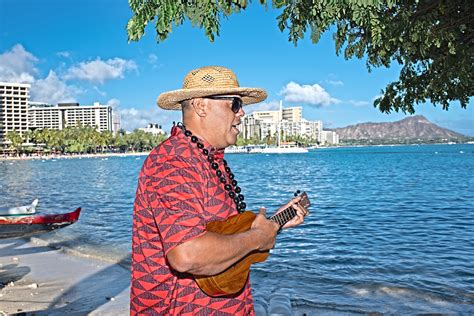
[(184, 184)]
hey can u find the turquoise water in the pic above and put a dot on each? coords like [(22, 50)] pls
[(391, 229)]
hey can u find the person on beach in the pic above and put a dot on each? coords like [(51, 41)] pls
[(186, 183)]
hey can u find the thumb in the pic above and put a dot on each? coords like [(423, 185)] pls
[(262, 211)]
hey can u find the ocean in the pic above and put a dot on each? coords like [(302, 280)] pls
[(391, 228)]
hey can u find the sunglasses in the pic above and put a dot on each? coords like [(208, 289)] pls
[(236, 102)]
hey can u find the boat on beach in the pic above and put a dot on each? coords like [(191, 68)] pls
[(19, 210), (236, 150), (284, 149), (23, 221)]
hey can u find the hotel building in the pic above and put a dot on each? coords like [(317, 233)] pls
[(42, 115), (14, 98), (261, 124), (154, 129), (116, 122), (329, 137)]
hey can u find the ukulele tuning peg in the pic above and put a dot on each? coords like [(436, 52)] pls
[(297, 192)]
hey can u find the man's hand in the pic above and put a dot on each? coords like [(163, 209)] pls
[(301, 212), (265, 231)]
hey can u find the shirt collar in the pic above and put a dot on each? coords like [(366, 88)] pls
[(217, 154)]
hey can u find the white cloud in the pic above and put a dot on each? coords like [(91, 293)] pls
[(335, 82), (53, 90), (64, 54), (100, 92), (359, 103), (101, 71), (463, 126), (152, 59), (313, 95), (132, 118), (265, 106), (114, 103), (328, 124), (18, 65)]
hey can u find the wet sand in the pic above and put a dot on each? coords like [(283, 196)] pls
[(46, 280)]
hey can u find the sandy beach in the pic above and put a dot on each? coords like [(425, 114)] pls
[(47, 280), (38, 279), (75, 156)]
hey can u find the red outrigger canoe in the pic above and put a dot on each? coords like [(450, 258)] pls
[(27, 225)]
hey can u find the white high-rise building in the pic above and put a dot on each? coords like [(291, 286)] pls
[(14, 98), (97, 115), (312, 129), (43, 115), (262, 124), (154, 129), (294, 114), (267, 116), (250, 127), (116, 123), (329, 138)]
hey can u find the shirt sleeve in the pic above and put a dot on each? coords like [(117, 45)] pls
[(176, 197)]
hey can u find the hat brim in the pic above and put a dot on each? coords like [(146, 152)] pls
[(171, 100)]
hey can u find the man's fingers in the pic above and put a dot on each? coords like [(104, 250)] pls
[(295, 221), (262, 211), (299, 217), (305, 210), (300, 210), (296, 200)]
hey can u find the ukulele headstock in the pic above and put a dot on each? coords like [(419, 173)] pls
[(304, 202)]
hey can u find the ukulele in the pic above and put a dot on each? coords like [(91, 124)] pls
[(233, 279)]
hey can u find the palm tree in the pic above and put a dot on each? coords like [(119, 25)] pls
[(16, 140), (108, 138), (120, 142)]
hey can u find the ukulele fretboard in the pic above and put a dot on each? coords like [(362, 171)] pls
[(284, 216)]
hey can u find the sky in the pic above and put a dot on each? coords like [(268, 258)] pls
[(77, 51)]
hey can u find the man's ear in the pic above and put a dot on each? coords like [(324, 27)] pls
[(199, 106)]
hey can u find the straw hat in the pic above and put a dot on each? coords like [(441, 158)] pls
[(207, 81)]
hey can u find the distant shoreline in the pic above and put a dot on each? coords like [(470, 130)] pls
[(393, 145), (107, 155), (75, 156)]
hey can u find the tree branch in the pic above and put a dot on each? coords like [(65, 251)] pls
[(426, 7)]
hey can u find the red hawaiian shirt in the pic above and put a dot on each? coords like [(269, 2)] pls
[(178, 194)]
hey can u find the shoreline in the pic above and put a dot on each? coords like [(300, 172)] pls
[(78, 156), (107, 155), (38, 278), (35, 279), (352, 146)]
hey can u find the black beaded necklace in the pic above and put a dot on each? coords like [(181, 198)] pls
[(233, 189)]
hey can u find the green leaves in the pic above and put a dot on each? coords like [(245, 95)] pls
[(431, 39), (86, 139), (15, 139), (204, 14)]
